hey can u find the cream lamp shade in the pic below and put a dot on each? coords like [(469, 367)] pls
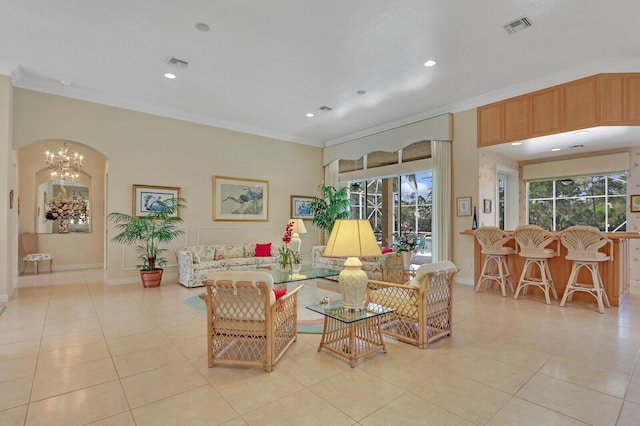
[(297, 229), (352, 238)]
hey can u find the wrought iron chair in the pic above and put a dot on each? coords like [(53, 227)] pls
[(495, 268), (32, 253), (422, 307), (583, 244), (246, 325), (532, 242)]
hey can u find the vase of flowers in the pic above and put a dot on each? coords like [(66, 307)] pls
[(288, 257), (65, 210), (405, 244)]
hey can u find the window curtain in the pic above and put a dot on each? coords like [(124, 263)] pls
[(441, 225), (331, 174)]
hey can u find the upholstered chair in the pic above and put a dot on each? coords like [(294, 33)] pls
[(423, 306), (32, 253), (246, 325)]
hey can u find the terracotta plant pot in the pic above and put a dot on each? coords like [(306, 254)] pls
[(151, 278)]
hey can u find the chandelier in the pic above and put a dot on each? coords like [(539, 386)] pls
[(64, 165)]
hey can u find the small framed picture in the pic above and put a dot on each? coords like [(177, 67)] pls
[(301, 207), (634, 204), (463, 206), (487, 205), (147, 199)]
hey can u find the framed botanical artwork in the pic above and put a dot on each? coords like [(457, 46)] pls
[(301, 207), (463, 206), (147, 199), (487, 205), (239, 199), (634, 203)]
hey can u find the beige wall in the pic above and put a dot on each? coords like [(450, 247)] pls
[(465, 184), (8, 215), (151, 150)]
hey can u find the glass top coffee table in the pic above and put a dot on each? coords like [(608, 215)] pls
[(349, 333), (306, 272)]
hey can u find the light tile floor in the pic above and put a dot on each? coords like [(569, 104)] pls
[(76, 351)]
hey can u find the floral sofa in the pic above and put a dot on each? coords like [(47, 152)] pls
[(376, 267), (195, 263)]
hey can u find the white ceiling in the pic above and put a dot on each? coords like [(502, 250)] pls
[(265, 64)]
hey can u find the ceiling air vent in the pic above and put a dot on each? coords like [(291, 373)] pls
[(325, 108), (177, 63), (517, 25)]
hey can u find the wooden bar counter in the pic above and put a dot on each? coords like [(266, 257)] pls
[(615, 274)]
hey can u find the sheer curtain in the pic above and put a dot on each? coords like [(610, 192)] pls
[(441, 226), (331, 172)]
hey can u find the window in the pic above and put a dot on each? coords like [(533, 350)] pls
[(599, 200), (412, 205)]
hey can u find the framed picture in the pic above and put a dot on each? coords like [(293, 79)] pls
[(148, 198), (239, 199), (301, 207), (487, 205), (463, 206), (634, 204)]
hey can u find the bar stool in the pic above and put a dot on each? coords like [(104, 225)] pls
[(532, 241), (492, 240), (582, 243)]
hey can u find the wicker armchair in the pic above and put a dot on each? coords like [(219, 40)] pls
[(245, 324), (422, 307)]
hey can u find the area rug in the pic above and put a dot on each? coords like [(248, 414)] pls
[(308, 321)]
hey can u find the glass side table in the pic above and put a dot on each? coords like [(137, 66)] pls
[(350, 333)]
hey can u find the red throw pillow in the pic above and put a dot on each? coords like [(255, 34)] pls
[(387, 250), (263, 250), (279, 292)]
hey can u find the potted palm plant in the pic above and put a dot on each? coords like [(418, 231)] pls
[(148, 233), (333, 204)]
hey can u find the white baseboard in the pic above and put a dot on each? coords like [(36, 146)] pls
[(75, 267), (465, 281)]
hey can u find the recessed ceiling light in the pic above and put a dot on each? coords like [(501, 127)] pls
[(169, 75), (555, 149), (516, 143), (310, 115), (65, 82), (430, 63), (201, 26), (581, 132)]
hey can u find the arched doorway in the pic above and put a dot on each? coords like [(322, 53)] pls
[(84, 247)]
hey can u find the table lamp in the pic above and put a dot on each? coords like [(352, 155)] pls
[(352, 238), (298, 228)]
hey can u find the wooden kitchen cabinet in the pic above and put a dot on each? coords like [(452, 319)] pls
[(545, 112), (610, 99), (490, 124), (600, 100), (579, 104), (517, 118), (631, 99)]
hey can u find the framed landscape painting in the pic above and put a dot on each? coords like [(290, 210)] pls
[(239, 199), (301, 207), (147, 199)]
